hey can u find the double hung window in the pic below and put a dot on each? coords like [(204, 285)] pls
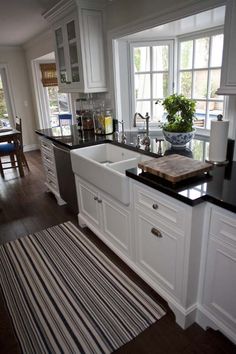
[(199, 69), (152, 67), (194, 72)]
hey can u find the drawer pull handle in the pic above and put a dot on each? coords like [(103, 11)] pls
[(95, 198), (156, 232), (99, 200), (155, 206)]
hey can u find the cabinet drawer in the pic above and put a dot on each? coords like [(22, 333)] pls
[(46, 144), (52, 184), (223, 226), (159, 206), (48, 158)]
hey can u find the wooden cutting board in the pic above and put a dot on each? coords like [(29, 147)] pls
[(175, 168)]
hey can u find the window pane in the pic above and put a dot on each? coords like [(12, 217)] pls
[(160, 85), (217, 50), (158, 112), (160, 57), (215, 108), (71, 30), (73, 53), (143, 107), (200, 84), (3, 106), (186, 55), (63, 102), (142, 86), (141, 59), (201, 53), (200, 114), (59, 36), (186, 83), (214, 82)]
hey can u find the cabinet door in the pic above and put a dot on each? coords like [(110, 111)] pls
[(88, 203), (93, 50), (220, 282), (68, 56), (228, 72), (160, 253), (116, 224)]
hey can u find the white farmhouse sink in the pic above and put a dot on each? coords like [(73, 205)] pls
[(104, 166)]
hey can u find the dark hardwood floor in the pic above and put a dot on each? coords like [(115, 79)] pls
[(26, 207)]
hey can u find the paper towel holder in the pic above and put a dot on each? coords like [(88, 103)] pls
[(218, 163)]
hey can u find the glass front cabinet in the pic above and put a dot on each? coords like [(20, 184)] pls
[(68, 57), (79, 46)]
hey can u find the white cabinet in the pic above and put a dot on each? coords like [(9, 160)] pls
[(79, 46), (219, 282), (228, 72), (160, 252), (49, 164), (167, 241), (108, 219), (68, 55)]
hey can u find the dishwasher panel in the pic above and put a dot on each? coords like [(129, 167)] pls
[(65, 175)]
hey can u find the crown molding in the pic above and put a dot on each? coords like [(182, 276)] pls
[(60, 10)]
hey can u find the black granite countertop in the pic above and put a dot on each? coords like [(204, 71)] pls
[(217, 187)]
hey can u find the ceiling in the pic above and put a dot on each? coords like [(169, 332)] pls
[(21, 20)]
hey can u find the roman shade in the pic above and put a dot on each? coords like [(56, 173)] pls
[(49, 74)]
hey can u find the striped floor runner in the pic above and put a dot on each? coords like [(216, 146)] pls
[(65, 296)]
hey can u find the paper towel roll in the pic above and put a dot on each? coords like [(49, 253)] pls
[(218, 140)]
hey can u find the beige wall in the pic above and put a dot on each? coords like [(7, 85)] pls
[(39, 46), (14, 58)]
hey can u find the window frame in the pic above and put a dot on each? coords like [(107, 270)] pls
[(41, 96), (174, 82), (193, 36), (150, 43)]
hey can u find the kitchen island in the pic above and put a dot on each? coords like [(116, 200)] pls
[(181, 238), (217, 187)]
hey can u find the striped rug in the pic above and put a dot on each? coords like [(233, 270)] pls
[(66, 296)]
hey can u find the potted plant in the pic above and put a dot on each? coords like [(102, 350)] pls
[(178, 129)]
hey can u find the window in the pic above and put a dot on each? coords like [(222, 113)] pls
[(197, 72), (152, 66), (6, 100), (199, 68), (3, 106), (57, 103)]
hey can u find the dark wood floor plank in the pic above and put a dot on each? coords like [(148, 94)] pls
[(26, 207)]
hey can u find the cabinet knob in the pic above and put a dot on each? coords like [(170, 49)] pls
[(155, 206), (95, 198), (99, 200), (156, 232), (68, 82)]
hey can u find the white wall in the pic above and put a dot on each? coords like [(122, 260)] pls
[(14, 58), (41, 45)]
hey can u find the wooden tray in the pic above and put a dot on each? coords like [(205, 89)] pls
[(175, 168)]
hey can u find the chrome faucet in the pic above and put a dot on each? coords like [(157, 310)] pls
[(146, 140)]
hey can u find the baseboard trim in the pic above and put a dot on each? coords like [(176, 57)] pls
[(206, 319), (31, 147)]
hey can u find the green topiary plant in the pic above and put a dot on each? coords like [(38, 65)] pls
[(180, 113)]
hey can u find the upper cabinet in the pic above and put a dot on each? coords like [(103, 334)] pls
[(228, 73), (79, 46)]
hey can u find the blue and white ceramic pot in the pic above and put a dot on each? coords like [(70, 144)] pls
[(178, 140)]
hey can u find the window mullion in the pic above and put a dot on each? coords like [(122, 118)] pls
[(193, 73), (151, 81)]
